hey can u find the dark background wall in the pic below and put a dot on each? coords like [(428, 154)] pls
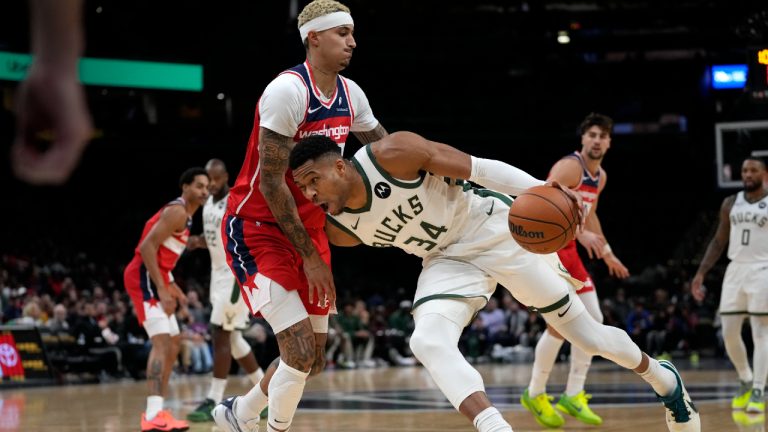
[(487, 77)]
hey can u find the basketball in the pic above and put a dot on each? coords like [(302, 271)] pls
[(543, 219)]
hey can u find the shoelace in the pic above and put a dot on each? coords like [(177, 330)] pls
[(583, 399), (679, 410), (548, 408)]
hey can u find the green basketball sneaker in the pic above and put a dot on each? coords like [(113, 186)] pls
[(756, 403), (741, 399), (578, 407), (203, 412), (541, 408), (681, 414)]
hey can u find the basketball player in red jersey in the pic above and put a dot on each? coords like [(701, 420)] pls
[(582, 172), (275, 242), (155, 296)]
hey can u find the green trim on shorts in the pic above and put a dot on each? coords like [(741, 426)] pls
[(423, 300), (553, 307), (758, 313), (235, 296), (735, 313)]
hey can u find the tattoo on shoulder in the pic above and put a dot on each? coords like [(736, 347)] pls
[(372, 135)]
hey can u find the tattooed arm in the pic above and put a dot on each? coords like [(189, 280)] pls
[(273, 164), (715, 248), (372, 135)]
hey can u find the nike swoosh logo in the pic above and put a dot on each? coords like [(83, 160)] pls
[(311, 110), (493, 203), (278, 421), (560, 315), (357, 222), (160, 425)]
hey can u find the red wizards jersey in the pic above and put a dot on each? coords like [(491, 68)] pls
[(588, 186), (332, 119), (169, 252)]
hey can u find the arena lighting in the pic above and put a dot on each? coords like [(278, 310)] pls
[(733, 76), (116, 72), (563, 38)]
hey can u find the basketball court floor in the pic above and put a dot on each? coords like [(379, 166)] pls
[(393, 399)]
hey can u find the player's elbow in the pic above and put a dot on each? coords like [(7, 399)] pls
[(146, 248)]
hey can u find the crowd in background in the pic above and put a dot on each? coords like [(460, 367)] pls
[(89, 326)]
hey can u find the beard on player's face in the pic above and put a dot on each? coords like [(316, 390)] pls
[(751, 185)]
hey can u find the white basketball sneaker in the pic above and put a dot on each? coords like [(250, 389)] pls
[(682, 414), (227, 421)]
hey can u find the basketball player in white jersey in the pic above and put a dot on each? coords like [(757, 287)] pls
[(402, 191), (583, 173), (230, 315), (744, 227)]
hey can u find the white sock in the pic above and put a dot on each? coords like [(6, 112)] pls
[(759, 326), (154, 406), (285, 389), (490, 420), (256, 376), (734, 345), (660, 378), (546, 354), (580, 362), (216, 393), (250, 406)]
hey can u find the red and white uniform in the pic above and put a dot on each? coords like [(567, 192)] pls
[(588, 188), (291, 105), (138, 284)]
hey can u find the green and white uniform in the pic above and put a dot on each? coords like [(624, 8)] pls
[(228, 308), (460, 232), (745, 285)]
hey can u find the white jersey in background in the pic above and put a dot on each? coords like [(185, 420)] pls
[(749, 230), (213, 212), (229, 310)]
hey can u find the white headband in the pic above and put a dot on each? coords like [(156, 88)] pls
[(325, 22)]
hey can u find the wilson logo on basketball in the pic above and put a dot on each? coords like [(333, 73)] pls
[(518, 230)]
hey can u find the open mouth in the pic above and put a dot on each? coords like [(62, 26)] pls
[(324, 206)]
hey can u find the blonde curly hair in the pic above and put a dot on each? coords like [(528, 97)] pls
[(319, 8)]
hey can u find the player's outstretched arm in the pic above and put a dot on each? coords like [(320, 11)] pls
[(274, 150), (714, 248), (405, 154)]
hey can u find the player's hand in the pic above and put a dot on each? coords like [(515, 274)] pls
[(576, 198), (50, 107), (615, 267), (322, 290), (592, 242), (177, 293), (167, 300), (697, 287)]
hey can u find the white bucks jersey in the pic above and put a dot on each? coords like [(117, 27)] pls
[(213, 212), (420, 216), (749, 230)]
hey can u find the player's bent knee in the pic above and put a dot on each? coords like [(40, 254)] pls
[(426, 348)]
